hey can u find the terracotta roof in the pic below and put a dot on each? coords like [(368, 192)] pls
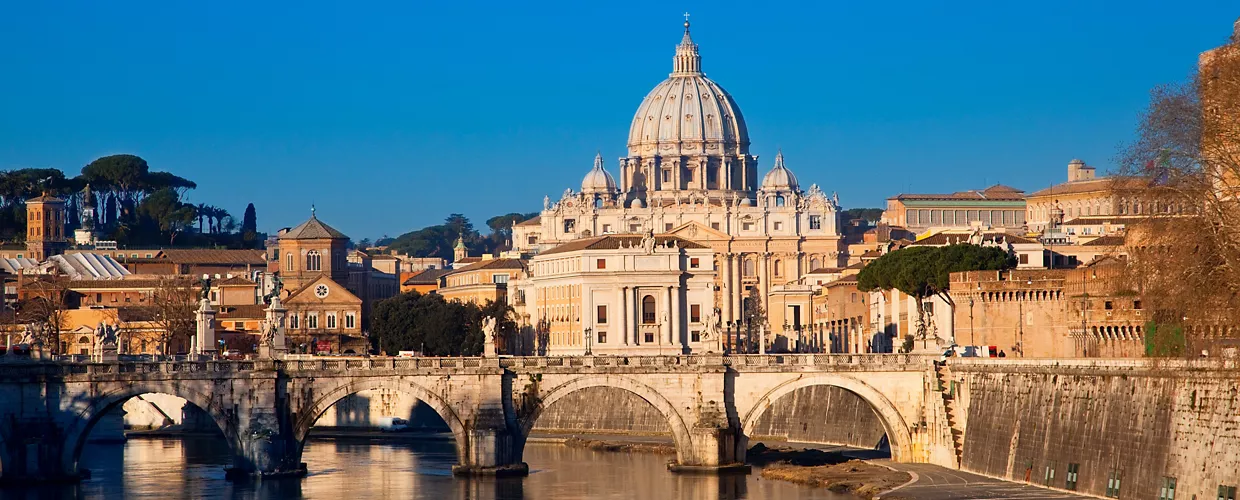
[(467, 260), (827, 270), (384, 256), (234, 281), (613, 242), (846, 280), (427, 277), (500, 263), (859, 265), (996, 192), (1108, 241), (537, 220), (245, 311), (45, 198), (215, 256), (945, 238), (1098, 184), (117, 284), (312, 229), (871, 253)]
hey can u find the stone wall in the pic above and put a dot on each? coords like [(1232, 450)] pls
[(1139, 420), (602, 410), (821, 414)]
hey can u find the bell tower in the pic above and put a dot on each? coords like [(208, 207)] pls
[(45, 227)]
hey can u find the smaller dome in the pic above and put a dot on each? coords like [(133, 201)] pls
[(598, 179), (779, 178)]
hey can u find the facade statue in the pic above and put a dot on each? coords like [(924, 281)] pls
[(546, 202), (712, 324), (647, 242), (206, 287)]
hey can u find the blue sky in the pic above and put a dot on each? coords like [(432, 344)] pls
[(389, 116)]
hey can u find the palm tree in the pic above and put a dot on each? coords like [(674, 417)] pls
[(200, 211)]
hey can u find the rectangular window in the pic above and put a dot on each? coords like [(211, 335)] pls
[(350, 320), (973, 215), (600, 264), (1048, 475), (1226, 492), (606, 228), (815, 222), (532, 240), (1113, 482), (312, 321), (695, 336), (1167, 492), (602, 315), (694, 263), (714, 225), (689, 175), (602, 337), (779, 226), (499, 279), (331, 320), (667, 226), (649, 337), (1070, 479), (1107, 305), (1136, 304), (634, 228), (667, 175), (570, 225), (695, 313), (98, 297), (747, 226)]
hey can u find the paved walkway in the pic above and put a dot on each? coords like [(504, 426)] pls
[(934, 483)]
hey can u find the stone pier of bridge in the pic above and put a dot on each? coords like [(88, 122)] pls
[(265, 408)]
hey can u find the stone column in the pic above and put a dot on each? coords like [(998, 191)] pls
[(738, 291), (623, 312), (204, 339), (673, 303), (636, 316), (274, 327), (725, 294)]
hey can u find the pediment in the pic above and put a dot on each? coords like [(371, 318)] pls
[(695, 231), (336, 293)]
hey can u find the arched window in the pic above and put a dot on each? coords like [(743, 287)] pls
[(748, 268), (288, 261), (815, 264), (779, 266), (779, 201), (314, 261), (648, 310)]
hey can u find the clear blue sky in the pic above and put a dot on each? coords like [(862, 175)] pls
[(389, 116)]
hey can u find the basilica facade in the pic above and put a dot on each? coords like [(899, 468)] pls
[(689, 174)]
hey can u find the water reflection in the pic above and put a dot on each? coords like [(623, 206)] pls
[(360, 469)]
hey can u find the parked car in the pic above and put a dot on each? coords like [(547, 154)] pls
[(393, 424)]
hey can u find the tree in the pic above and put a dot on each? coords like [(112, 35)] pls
[(433, 325), (46, 306), (174, 302), (124, 174), (865, 214), (249, 227), (924, 271), (1181, 178), (754, 316), (164, 207)]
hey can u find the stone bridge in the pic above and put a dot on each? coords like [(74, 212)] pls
[(266, 408)]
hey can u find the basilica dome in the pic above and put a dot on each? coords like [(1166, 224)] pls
[(779, 178), (598, 180), (688, 114)]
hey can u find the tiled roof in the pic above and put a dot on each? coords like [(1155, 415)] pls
[(245, 311), (1108, 241), (859, 265), (946, 238), (501, 263), (234, 281), (427, 277), (312, 229), (613, 242), (1104, 219), (467, 260), (1092, 185), (215, 256), (537, 220), (827, 270), (996, 192)]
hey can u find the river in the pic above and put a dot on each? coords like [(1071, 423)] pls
[(351, 469)]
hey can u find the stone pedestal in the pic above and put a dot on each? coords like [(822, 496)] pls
[(274, 329), (204, 339)]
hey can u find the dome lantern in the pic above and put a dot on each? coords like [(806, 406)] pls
[(598, 180), (779, 178)]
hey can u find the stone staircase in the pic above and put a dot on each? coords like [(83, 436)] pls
[(942, 377)]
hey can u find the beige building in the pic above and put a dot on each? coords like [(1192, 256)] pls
[(1083, 195), (313, 264), (999, 207), (483, 281), (689, 173), (620, 294)]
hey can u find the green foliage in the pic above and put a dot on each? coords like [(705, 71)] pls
[(414, 321), (866, 214), (165, 209), (923, 271), (1164, 340), (439, 240), (249, 227)]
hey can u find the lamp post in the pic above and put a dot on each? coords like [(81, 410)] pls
[(589, 338), (972, 341)]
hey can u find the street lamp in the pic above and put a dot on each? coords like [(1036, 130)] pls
[(589, 338), (972, 341)]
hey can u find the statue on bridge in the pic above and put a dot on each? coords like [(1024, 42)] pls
[(277, 285), (489, 326), (206, 288)]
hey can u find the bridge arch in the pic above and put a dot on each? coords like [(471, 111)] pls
[(893, 423), (94, 408), (680, 431), (323, 402)]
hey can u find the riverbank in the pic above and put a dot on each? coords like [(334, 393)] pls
[(825, 469)]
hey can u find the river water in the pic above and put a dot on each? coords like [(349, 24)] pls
[(192, 467)]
